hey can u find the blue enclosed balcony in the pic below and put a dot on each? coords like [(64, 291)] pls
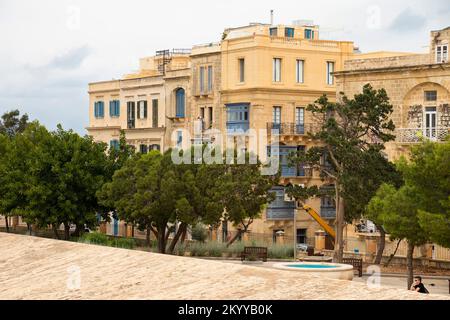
[(279, 209), (238, 117)]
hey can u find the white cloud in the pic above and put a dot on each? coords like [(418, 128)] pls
[(54, 48)]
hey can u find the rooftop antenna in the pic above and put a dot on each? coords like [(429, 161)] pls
[(271, 17)]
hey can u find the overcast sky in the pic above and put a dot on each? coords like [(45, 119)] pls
[(51, 49)]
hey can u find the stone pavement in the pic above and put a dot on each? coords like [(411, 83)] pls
[(38, 268)]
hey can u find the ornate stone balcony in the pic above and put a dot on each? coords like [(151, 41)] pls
[(415, 135)]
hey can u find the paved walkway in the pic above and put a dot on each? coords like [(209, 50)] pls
[(38, 268), (434, 286)]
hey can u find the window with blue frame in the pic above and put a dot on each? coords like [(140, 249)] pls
[(284, 152), (289, 32), (308, 34), (114, 108), (114, 144), (279, 209), (238, 117), (180, 103), (273, 32), (99, 109)]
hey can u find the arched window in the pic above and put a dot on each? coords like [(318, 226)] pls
[(180, 103)]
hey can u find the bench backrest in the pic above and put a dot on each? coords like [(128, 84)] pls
[(255, 250), (353, 261)]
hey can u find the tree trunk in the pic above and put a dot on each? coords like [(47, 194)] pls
[(66, 232), (78, 231), (240, 231), (409, 264), (147, 238), (29, 228), (167, 235), (339, 241), (381, 245), (55, 230), (393, 254), (183, 235), (162, 239), (182, 227), (7, 224)]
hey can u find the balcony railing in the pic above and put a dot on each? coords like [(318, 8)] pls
[(293, 128), (415, 135)]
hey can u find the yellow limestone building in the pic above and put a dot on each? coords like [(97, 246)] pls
[(258, 77), (418, 86)]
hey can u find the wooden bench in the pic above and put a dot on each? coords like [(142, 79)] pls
[(355, 262), (256, 252)]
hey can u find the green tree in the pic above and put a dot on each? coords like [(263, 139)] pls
[(11, 168), (11, 124), (348, 130), (362, 185), (245, 192), (429, 172), (65, 171), (399, 208)]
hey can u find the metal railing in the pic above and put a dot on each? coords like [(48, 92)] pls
[(293, 128), (415, 135)]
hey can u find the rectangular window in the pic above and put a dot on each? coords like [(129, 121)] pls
[(143, 148), (441, 53), (301, 236), (308, 34), (330, 70), (210, 116), (277, 115), (202, 79), (300, 120), (155, 113), (142, 110), (99, 110), (202, 113), (276, 70), (241, 70), (210, 78), (289, 32), (114, 144), (273, 32), (114, 108), (131, 113), (430, 95), (179, 139), (300, 71)]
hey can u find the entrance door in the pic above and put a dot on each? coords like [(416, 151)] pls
[(430, 123)]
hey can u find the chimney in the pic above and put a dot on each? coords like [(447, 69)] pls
[(271, 17)]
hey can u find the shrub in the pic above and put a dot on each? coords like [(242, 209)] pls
[(180, 249), (94, 238), (199, 232), (280, 251), (215, 249), (125, 243)]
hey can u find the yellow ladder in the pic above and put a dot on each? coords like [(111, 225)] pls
[(320, 221)]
